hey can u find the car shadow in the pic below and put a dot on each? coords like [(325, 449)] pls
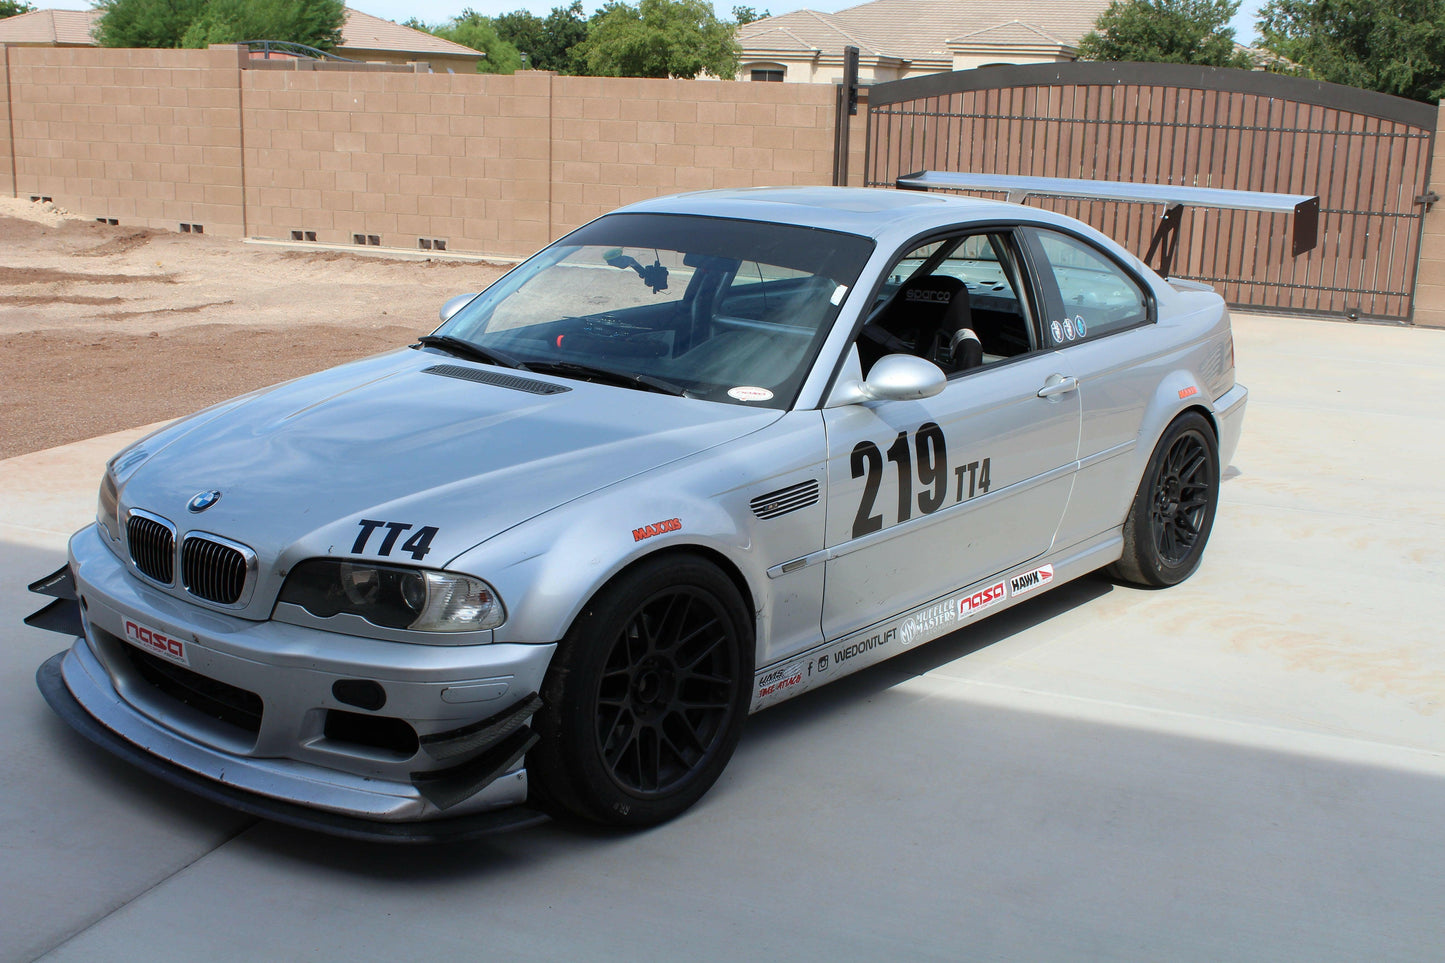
[(778, 725)]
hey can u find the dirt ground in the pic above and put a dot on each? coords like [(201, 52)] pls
[(104, 328)]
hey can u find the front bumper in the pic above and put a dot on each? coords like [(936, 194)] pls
[(1229, 414), (50, 679), (254, 718)]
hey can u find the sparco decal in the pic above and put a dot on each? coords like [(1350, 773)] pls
[(864, 645), (153, 641), (917, 628), (658, 528), (1028, 581), (982, 599)]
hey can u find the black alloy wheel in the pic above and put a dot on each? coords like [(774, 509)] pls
[(1172, 514), (645, 698), (1182, 496), (666, 692)]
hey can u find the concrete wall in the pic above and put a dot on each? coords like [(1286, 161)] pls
[(144, 136), (7, 149), (1430, 282), (491, 164)]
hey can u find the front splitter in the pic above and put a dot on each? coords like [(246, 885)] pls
[(52, 686)]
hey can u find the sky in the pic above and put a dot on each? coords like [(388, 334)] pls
[(435, 11)]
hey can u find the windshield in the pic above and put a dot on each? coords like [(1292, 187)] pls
[(725, 310)]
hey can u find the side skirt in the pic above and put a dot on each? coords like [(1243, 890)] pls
[(831, 661)]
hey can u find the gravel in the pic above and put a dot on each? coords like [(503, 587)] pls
[(108, 327)]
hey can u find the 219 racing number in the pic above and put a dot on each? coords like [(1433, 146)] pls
[(932, 455)]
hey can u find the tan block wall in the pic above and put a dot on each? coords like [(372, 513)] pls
[(505, 164), (401, 156), (144, 136), (498, 165), (615, 141), (7, 149), (1430, 282)]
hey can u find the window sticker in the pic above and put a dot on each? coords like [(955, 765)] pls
[(750, 393), (1058, 332), (1069, 328), (1079, 325), (840, 292)]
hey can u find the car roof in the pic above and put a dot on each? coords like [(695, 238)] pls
[(870, 212)]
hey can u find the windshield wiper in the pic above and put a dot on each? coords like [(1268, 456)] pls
[(621, 378), (466, 349)]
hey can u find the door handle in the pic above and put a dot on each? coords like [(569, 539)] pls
[(1057, 384)]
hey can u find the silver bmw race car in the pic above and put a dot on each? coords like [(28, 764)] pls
[(697, 457)]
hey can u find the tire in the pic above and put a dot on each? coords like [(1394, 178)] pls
[(1173, 512), (645, 698)]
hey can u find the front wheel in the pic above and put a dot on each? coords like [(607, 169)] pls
[(1173, 511), (645, 698)]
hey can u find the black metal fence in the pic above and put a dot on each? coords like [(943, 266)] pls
[(1367, 156)]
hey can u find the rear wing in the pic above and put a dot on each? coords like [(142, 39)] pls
[(1174, 198)]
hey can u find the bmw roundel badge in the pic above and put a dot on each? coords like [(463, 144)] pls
[(201, 501)]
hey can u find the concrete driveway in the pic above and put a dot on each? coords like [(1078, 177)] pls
[(1247, 766)]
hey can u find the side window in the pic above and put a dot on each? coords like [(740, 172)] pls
[(1098, 297), (957, 302)]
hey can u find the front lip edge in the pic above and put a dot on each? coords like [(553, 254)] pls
[(50, 680)]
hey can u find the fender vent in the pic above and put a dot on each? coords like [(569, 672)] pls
[(785, 500), (498, 380)]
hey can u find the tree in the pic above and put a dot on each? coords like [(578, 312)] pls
[(13, 8), (471, 29), (145, 23), (658, 38), (315, 23), (547, 42), (196, 23), (1397, 48), (745, 15), (1166, 31)]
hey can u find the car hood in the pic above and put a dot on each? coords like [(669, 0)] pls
[(303, 466)]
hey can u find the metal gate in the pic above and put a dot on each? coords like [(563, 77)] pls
[(1367, 156)]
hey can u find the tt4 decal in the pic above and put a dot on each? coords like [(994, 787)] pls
[(418, 544)]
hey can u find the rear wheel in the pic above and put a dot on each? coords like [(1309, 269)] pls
[(645, 698), (1173, 511)]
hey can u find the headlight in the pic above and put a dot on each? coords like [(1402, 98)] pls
[(117, 470), (107, 510), (394, 597)]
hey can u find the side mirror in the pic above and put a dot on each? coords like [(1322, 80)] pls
[(454, 305), (895, 377)]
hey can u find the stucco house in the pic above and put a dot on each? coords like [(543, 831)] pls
[(909, 38), (363, 37)]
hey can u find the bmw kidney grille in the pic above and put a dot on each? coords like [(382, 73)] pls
[(152, 547), (213, 571)]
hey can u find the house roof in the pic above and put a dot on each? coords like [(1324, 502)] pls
[(58, 27), (922, 29), (1013, 33), (360, 31)]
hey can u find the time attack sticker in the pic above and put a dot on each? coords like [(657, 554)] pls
[(156, 642)]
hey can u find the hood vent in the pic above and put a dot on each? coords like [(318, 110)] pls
[(785, 500), (498, 380)]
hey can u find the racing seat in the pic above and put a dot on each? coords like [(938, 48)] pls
[(928, 317)]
